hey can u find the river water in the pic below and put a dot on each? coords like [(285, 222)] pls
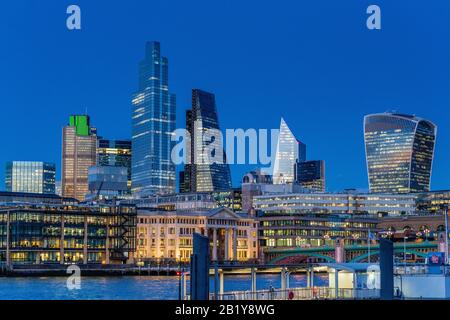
[(128, 288)]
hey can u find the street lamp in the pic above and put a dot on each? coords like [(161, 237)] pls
[(427, 234), (298, 241), (404, 251), (326, 237)]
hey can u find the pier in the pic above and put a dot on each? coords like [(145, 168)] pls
[(346, 281)]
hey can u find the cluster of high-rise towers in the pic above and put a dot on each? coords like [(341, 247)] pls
[(399, 148)]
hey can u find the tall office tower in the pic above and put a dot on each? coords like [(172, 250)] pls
[(399, 152), (311, 175), (200, 175), (30, 177), (78, 154), (153, 126), (115, 153), (289, 151)]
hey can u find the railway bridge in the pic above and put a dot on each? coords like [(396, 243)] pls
[(353, 253)]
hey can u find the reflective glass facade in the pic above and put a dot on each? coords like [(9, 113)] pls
[(116, 153), (336, 203), (311, 175), (153, 125), (43, 234), (289, 151), (314, 230), (399, 153), (199, 175), (107, 182), (30, 177)]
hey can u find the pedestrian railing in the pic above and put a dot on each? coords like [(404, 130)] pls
[(315, 293)]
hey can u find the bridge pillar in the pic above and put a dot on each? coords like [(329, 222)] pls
[(308, 278), (284, 275), (336, 283), (253, 289), (311, 281), (442, 246), (8, 241), (339, 252), (184, 288)]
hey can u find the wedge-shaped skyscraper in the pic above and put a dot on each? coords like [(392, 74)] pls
[(289, 152), (201, 174), (399, 152)]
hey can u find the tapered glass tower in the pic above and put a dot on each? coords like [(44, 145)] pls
[(153, 124), (289, 152), (201, 175), (399, 152)]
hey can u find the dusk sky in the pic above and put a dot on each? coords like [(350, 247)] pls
[(314, 63)]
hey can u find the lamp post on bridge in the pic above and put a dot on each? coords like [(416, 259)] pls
[(404, 251)]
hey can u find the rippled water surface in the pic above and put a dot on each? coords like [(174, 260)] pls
[(126, 288)]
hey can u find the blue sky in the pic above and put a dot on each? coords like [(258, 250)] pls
[(312, 62)]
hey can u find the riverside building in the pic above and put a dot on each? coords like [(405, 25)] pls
[(75, 234), (350, 202), (318, 219), (314, 230), (434, 202), (168, 235)]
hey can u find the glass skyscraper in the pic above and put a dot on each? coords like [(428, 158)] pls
[(153, 125), (399, 152), (289, 152), (311, 175), (78, 155), (199, 174), (115, 153), (30, 177)]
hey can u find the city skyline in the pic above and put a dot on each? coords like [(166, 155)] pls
[(345, 169)]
